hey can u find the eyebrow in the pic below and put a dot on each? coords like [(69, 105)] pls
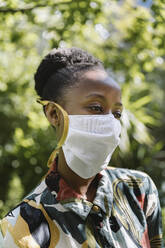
[(118, 104), (96, 95)]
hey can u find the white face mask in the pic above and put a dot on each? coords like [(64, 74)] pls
[(90, 142)]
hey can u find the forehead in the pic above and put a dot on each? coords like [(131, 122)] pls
[(97, 79), (95, 83)]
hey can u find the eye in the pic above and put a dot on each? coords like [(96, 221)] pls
[(117, 114), (96, 109)]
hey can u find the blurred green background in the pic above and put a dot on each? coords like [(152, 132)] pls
[(128, 36)]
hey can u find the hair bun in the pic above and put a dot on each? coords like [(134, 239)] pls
[(58, 59), (49, 65)]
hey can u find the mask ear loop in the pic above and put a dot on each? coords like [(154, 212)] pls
[(65, 131)]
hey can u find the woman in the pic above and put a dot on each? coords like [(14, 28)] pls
[(81, 202)]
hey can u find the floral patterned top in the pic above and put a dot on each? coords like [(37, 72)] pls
[(125, 213)]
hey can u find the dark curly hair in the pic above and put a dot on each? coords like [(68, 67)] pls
[(62, 68)]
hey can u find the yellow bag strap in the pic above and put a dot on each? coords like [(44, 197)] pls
[(65, 130)]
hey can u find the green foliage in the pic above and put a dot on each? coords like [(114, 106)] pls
[(130, 40), (163, 220)]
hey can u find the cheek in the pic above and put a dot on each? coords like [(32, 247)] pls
[(72, 107), (75, 109)]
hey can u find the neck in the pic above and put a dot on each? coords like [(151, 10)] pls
[(79, 184)]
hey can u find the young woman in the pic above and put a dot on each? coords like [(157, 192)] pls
[(82, 202)]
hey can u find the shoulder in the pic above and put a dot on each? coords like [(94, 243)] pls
[(123, 172), (135, 185), (32, 200), (133, 178), (21, 222)]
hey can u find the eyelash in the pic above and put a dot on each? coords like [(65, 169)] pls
[(100, 109), (117, 114), (96, 108)]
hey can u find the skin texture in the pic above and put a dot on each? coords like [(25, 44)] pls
[(95, 93)]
